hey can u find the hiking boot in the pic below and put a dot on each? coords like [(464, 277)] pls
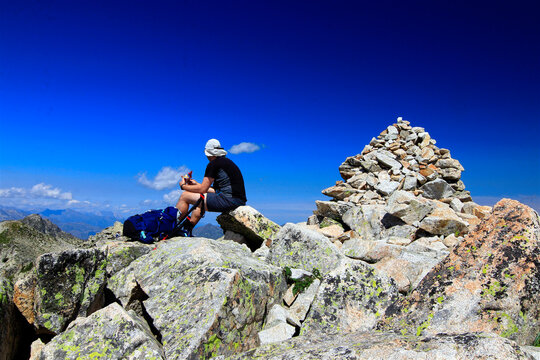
[(188, 228)]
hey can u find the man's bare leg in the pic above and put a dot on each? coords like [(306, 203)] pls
[(188, 198)]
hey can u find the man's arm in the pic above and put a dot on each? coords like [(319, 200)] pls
[(195, 187)]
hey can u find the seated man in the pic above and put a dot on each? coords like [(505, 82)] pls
[(228, 190)]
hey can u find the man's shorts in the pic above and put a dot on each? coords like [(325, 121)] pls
[(221, 203)]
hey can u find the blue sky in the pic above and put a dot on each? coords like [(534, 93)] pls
[(95, 96)]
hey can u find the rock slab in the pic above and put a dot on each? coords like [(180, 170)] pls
[(489, 282)]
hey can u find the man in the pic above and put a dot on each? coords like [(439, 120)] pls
[(228, 190)]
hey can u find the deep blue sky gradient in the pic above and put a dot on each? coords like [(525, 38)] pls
[(94, 93)]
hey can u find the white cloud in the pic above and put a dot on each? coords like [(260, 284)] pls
[(166, 178), (244, 147), (41, 196), (38, 191), (172, 197), (12, 192), (43, 190)]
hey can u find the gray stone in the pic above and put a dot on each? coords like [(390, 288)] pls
[(111, 233), (358, 180), (410, 183), (298, 247), (387, 187), (449, 163), (451, 174), (468, 208), (347, 171), (389, 345), (369, 251), (407, 268), (397, 240), (200, 293), (383, 176), (463, 196), (250, 223), (458, 186), (403, 231), (297, 274), (278, 333), (300, 307), (358, 297), (277, 314), (412, 137), (289, 296), (451, 240), (110, 333), (420, 179), (444, 221), (120, 254), (387, 161), (237, 238), (392, 130), (437, 189), (487, 283), (340, 192), (456, 205), (332, 209), (533, 351), (407, 207), (365, 221), (431, 246), (67, 284)]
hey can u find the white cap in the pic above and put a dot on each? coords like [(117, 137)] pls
[(213, 148)]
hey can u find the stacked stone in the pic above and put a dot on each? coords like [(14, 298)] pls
[(400, 158), (400, 206)]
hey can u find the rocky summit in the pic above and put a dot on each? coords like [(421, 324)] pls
[(399, 263)]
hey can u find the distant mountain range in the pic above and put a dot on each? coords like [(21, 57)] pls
[(82, 225), (74, 222), (208, 231)]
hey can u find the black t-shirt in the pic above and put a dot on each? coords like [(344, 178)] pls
[(228, 179)]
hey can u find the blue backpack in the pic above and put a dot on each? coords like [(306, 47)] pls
[(151, 225)]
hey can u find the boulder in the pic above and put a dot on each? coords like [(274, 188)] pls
[(250, 223), (111, 233), (444, 221), (203, 297), (368, 250), (407, 269), (437, 189), (366, 221), (489, 282), (67, 284), (110, 333), (277, 333), (298, 247), (9, 328), (300, 307), (277, 314), (339, 192), (331, 209), (352, 297), (387, 161), (24, 240), (387, 187), (382, 346), (120, 254), (407, 207)]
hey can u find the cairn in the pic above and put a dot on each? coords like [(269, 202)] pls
[(401, 195)]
